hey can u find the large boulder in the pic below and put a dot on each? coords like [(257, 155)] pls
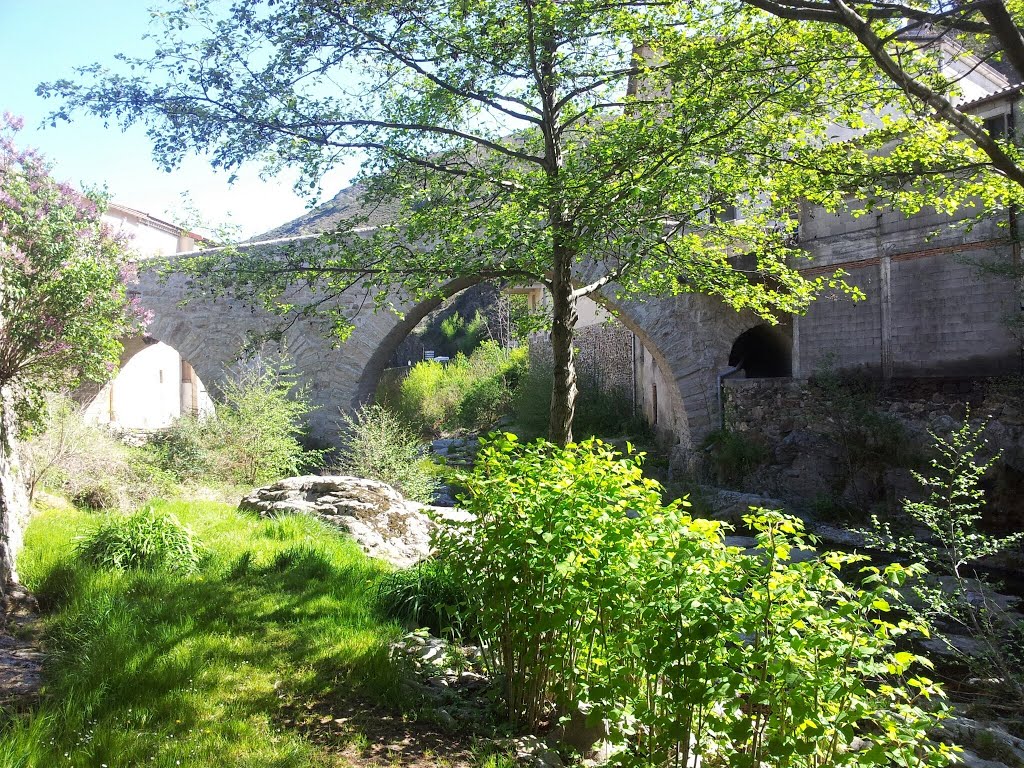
[(383, 522)]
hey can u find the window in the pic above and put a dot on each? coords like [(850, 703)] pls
[(997, 126)]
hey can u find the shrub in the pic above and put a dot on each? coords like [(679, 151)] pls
[(592, 595), (148, 539), (733, 455), (260, 420), (952, 515), (425, 595), (462, 336), (101, 495), (186, 448), (866, 437), (86, 463), (379, 446), (468, 393)]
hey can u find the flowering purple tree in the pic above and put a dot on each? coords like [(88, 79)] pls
[(64, 304)]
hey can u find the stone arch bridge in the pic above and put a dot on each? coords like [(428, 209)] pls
[(688, 337)]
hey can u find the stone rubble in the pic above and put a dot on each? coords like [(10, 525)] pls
[(21, 658)]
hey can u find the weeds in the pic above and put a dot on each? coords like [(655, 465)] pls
[(733, 455), (426, 595), (149, 538)]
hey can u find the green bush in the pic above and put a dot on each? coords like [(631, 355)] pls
[(185, 449), (468, 393), (379, 446), (101, 494), (425, 595), (148, 539), (591, 594), (87, 463), (256, 437), (461, 336)]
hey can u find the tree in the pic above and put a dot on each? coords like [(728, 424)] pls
[(896, 34), (64, 305), (524, 140)]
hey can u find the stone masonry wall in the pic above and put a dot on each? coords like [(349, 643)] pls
[(797, 424), (604, 356)]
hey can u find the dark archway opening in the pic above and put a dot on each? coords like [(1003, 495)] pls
[(763, 352)]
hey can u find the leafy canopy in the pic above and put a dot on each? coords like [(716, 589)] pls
[(585, 145), (63, 301), (495, 125)]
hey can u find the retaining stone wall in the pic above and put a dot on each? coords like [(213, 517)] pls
[(604, 356), (794, 421)]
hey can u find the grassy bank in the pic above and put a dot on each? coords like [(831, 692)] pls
[(215, 669)]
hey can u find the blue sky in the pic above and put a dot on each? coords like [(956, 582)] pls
[(42, 40)]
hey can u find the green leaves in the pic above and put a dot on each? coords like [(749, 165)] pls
[(688, 648), (64, 305)]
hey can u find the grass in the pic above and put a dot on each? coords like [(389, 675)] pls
[(157, 669)]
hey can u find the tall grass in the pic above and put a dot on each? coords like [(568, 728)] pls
[(154, 668)]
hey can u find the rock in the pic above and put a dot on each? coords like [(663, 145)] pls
[(379, 518), (443, 497), (583, 732), (900, 484), (731, 506), (986, 745), (860, 489), (743, 542), (532, 752), (837, 536), (953, 646), (967, 759)]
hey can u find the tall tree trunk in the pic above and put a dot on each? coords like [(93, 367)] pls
[(563, 303), (13, 502), (563, 324)]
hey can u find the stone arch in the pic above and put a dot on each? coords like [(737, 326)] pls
[(154, 386), (650, 342), (378, 360), (689, 336)]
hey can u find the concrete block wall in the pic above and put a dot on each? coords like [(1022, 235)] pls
[(950, 318), (838, 331), (941, 296)]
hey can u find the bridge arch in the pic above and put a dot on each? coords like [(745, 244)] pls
[(689, 337), (154, 386)]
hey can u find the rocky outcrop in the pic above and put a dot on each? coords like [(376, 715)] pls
[(379, 518)]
